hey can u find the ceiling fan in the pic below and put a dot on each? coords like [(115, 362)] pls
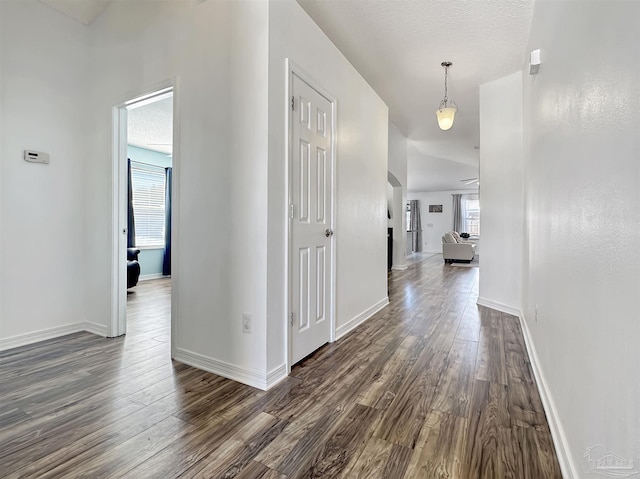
[(470, 181)]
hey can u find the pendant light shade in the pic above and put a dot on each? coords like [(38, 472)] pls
[(445, 117), (446, 112)]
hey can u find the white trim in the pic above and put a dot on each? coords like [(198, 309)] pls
[(567, 467), (498, 306), (117, 324), (51, 333), (288, 87), (251, 377), (360, 318), (399, 267), (149, 98), (118, 214), (176, 162), (95, 328), (276, 375), (146, 277)]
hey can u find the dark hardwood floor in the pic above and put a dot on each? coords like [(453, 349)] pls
[(431, 387)]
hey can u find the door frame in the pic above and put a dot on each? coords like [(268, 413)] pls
[(118, 316), (293, 69)]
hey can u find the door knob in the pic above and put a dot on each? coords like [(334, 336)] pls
[(328, 232)]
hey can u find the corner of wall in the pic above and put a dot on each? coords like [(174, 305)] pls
[(560, 441), (250, 377), (357, 320), (51, 333), (505, 308)]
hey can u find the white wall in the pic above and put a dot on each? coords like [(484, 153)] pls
[(361, 173), (398, 168), (434, 225), (582, 255), (248, 180), (229, 171), (501, 193), (42, 216), (219, 170)]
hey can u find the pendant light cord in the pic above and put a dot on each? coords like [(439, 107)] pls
[(446, 71), (445, 101)]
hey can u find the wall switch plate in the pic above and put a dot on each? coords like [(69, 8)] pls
[(36, 156), (534, 62), (247, 321)]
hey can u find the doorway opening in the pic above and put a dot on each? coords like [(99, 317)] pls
[(144, 214)]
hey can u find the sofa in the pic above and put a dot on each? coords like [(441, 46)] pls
[(455, 248), (133, 267)]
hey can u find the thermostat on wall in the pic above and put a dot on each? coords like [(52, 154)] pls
[(36, 156)]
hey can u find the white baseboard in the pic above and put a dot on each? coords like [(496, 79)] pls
[(250, 377), (276, 375), (146, 277), (504, 308), (360, 318), (567, 466), (399, 267), (51, 333), (95, 328)]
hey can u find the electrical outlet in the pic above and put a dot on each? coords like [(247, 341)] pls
[(246, 323)]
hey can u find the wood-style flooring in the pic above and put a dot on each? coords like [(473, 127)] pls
[(430, 387)]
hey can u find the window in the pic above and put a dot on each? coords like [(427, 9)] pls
[(147, 182), (471, 209)]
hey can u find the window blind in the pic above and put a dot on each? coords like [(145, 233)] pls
[(148, 182), (472, 216)]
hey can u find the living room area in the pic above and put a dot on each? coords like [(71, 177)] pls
[(445, 223)]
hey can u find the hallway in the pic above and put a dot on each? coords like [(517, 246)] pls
[(432, 386)]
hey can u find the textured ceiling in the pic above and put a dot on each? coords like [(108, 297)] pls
[(398, 45), (151, 126)]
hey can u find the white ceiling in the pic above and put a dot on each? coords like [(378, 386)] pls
[(398, 45), (85, 11), (432, 173), (151, 126)]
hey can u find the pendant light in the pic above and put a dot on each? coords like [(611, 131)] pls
[(446, 112)]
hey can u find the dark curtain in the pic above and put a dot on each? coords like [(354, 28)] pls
[(458, 217), (415, 225), (166, 263), (131, 223)]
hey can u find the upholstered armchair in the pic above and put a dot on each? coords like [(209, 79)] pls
[(133, 267), (454, 248)]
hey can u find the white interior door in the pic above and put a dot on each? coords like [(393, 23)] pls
[(311, 216)]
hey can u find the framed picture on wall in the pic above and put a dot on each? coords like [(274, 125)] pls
[(435, 208)]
